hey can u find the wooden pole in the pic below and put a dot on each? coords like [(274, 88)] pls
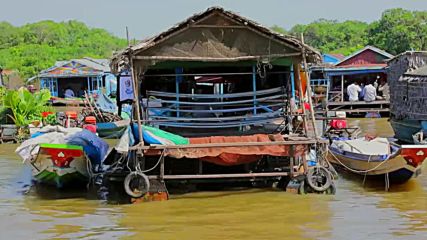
[(136, 100), (162, 168), (342, 88), (309, 93), (254, 86)]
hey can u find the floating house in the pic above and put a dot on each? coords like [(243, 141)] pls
[(407, 77), (79, 75), (225, 83), (365, 66), (215, 70)]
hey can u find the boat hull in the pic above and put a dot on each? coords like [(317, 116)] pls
[(405, 129), (401, 166), (60, 165), (111, 130)]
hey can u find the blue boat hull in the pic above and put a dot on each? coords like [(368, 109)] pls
[(111, 130), (404, 129)]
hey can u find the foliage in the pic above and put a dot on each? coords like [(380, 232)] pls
[(51, 119), (400, 30), (332, 36), (397, 30), (26, 106), (34, 47)]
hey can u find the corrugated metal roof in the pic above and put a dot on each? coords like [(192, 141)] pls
[(98, 65), (422, 71), (377, 50)]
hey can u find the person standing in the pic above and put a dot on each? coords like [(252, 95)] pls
[(69, 93), (385, 90), (353, 91), (370, 93)]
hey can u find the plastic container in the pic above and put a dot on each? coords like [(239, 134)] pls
[(338, 124), (90, 127), (90, 120), (71, 114)]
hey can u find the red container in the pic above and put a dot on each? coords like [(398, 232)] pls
[(90, 120), (90, 127), (338, 124), (45, 114), (71, 114)]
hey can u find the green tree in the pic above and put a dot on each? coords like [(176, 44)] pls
[(331, 36), (399, 30), (36, 46)]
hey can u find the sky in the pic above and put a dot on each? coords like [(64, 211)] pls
[(145, 18)]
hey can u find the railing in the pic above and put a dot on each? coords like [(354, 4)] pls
[(214, 110)]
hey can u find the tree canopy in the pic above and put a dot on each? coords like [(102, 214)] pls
[(397, 30), (34, 47)]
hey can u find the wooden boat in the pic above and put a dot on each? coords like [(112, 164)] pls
[(112, 129), (60, 165), (400, 163)]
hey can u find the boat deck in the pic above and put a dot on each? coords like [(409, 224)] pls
[(360, 106)]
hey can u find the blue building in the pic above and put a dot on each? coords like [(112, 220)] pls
[(79, 75)]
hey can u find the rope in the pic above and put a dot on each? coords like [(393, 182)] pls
[(358, 171), (138, 168)]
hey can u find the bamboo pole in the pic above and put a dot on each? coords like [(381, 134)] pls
[(309, 93), (136, 99)]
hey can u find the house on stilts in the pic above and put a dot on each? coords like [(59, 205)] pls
[(226, 84), (365, 66), (79, 75)]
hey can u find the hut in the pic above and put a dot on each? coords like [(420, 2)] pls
[(225, 83), (407, 78), (365, 66), (79, 75), (215, 70)]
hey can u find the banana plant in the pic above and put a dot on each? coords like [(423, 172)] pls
[(26, 106)]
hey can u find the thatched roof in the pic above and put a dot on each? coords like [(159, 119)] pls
[(235, 22)]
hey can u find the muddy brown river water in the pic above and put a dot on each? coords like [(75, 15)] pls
[(355, 212)]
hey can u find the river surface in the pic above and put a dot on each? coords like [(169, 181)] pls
[(355, 212)]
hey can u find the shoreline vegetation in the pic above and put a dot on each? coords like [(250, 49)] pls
[(37, 46)]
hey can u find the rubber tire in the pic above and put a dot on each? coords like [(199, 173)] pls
[(129, 178), (312, 185)]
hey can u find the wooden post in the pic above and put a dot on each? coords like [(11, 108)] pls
[(178, 79), (162, 167), (254, 86), (304, 163), (342, 88), (136, 100), (200, 166), (309, 93), (291, 161)]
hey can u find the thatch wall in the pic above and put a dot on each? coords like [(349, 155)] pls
[(408, 92)]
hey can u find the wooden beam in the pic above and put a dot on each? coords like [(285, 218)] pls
[(219, 176), (213, 59), (233, 144), (218, 26)]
